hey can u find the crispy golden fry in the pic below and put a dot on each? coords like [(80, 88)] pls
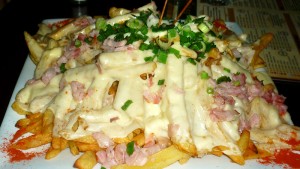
[(237, 159), (161, 159), (139, 139), (44, 29), (35, 49), (86, 139), (213, 56), (263, 43), (48, 117), (35, 126), (86, 161), (218, 150), (32, 141), (113, 12), (65, 30), (51, 153), (244, 140), (48, 58), (122, 140), (22, 123), (52, 44), (73, 148), (55, 143), (87, 147), (16, 106), (48, 129), (63, 143)]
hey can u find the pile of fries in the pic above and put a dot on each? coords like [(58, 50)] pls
[(47, 47)]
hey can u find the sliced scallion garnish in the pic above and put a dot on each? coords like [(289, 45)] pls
[(204, 75), (130, 148), (161, 82), (126, 105)]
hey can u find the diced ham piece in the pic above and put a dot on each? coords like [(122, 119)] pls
[(78, 92), (116, 155), (277, 100), (103, 140), (173, 129), (137, 158), (49, 74), (120, 153), (31, 81), (84, 21), (222, 115), (110, 45)]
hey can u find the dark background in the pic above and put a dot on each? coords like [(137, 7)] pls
[(24, 15)]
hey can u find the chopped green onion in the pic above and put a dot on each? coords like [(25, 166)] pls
[(77, 43), (223, 79), (130, 148), (62, 67), (119, 37), (227, 70), (162, 56), (161, 82), (149, 59), (87, 40), (204, 75), (199, 20), (126, 105), (236, 83), (192, 61), (203, 28), (172, 33), (143, 47), (135, 23), (102, 167), (174, 51), (210, 90), (144, 30), (100, 24)]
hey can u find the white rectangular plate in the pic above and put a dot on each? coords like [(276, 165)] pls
[(65, 160)]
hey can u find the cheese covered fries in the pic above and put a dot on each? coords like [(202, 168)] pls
[(128, 91)]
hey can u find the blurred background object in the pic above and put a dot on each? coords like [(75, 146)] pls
[(3, 3)]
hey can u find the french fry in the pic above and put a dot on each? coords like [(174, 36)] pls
[(47, 59), (35, 49), (51, 153), (86, 139), (16, 106), (243, 142), (32, 141), (43, 29), (55, 143), (48, 117), (139, 139), (32, 127), (73, 148), (237, 159), (86, 161), (251, 151), (263, 43), (52, 44), (66, 30), (63, 143), (82, 147), (161, 159), (22, 123)]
